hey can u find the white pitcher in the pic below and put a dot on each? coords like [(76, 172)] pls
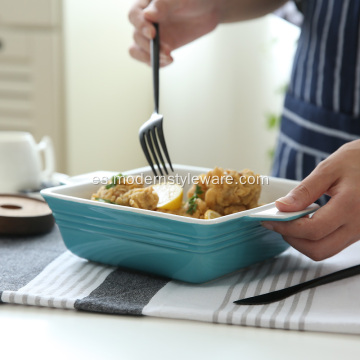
[(21, 165)]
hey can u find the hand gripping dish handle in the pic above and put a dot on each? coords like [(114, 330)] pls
[(270, 212)]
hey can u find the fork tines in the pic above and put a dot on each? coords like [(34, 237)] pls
[(151, 133)]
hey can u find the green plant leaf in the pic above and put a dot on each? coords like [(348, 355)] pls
[(192, 201), (273, 121)]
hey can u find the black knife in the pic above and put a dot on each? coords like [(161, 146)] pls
[(291, 290)]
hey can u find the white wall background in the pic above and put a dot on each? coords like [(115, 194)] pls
[(107, 92), (214, 97)]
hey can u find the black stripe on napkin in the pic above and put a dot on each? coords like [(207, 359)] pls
[(23, 258), (123, 292)]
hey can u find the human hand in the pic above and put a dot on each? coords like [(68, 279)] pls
[(334, 226), (180, 22)]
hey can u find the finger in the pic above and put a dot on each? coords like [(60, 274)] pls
[(136, 13), (144, 44), (165, 60), (136, 17), (141, 41), (303, 228), (325, 221), (139, 54), (307, 192), (323, 248), (165, 51), (160, 9)]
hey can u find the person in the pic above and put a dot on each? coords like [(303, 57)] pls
[(320, 128)]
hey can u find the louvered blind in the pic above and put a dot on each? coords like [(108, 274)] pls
[(16, 82)]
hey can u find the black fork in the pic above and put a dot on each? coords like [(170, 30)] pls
[(151, 132)]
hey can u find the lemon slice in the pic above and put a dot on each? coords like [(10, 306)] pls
[(211, 214), (170, 196)]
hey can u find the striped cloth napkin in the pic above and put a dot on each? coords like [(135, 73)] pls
[(40, 271)]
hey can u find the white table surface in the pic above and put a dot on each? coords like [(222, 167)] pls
[(27, 331)]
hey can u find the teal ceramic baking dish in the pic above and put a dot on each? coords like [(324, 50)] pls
[(182, 248)]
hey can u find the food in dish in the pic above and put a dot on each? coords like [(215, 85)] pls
[(170, 196), (217, 193), (122, 190)]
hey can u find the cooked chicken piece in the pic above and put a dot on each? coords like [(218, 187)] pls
[(116, 187), (200, 209), (142, 198), (229, 191)]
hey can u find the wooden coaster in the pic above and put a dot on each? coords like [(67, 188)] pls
[(23, 215)]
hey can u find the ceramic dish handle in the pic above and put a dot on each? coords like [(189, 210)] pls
[(270, 212), (96, 177)]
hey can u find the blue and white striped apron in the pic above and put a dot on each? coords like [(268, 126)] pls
[(322, 105)]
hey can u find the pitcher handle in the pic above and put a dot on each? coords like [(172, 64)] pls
[(46, 146)]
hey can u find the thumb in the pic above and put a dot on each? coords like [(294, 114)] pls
[(158, 10), (151, 12), (308, 191)]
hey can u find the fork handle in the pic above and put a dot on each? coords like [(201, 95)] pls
[(155, 64)]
